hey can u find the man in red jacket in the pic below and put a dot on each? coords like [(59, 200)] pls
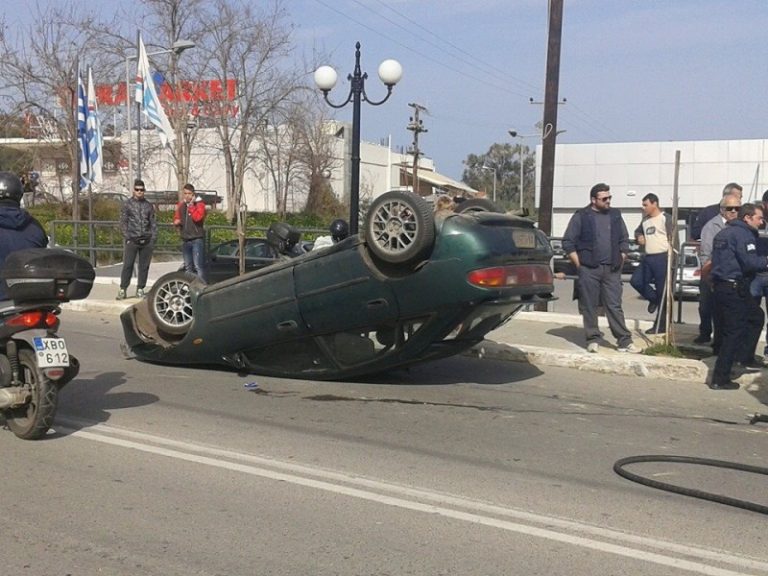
[(189, 218)]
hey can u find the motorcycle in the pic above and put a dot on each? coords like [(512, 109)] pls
[(34, 369)]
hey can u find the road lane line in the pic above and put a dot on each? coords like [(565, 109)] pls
[(336, 482)]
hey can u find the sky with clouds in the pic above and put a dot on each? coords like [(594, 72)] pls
[(631, 70)]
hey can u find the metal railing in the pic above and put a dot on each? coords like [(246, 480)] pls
[(101, 242)]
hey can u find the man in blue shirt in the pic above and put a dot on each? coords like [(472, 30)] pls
[(735, 262)]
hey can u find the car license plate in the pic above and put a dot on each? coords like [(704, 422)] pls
[(524, 238), (51, 352)]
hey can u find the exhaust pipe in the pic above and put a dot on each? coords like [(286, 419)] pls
[(13, 396)]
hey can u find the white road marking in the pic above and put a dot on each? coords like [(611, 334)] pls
[(464, 509)]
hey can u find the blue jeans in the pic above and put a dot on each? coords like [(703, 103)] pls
[(193, 252), (650, 279)]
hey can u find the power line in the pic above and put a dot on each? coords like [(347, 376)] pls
[(485, 82), (476, 62)]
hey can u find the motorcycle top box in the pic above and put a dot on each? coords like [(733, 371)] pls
[(38, 274)]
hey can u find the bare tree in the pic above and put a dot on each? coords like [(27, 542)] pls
[(39, 66), (248, 48), (318, 158)]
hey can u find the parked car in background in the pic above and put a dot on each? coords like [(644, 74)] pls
[(634, 256), (223, 260), (561, 262), (688, 273)]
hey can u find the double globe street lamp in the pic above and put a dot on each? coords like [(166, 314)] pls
[(390, 72)]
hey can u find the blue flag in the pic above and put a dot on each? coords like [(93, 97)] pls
[(82, 130), (147, 96), (93, 131)]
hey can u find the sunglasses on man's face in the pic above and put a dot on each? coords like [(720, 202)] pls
[(732, 208), (604, 199), (140, 189)]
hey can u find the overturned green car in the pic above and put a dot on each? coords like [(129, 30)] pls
[(409, 288)]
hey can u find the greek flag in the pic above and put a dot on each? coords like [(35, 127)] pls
[(146, 95), (82, 138), (93, 132)]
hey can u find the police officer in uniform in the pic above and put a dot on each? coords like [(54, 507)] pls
[(735, 262)]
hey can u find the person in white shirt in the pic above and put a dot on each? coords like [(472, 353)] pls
[(650, 278), (339, 230)]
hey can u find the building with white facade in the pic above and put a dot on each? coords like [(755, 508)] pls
[(633, 169), (381, 169)]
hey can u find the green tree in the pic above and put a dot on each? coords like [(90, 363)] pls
[(504, 161)]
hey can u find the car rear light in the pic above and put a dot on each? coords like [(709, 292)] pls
[(34, 319), (697, 272), (514, 275)]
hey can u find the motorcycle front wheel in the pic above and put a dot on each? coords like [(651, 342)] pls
[(33, 420)]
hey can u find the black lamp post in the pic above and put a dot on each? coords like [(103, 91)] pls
[(390, 73)]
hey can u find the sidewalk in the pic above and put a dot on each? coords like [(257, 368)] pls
[(537, 338)]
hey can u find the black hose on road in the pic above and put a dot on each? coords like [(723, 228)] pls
[(618, 467)]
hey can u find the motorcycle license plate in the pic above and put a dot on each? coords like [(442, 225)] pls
[(51, 352)]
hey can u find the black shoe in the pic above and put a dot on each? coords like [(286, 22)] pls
[(654, 330), (726, 385), (702, 339), (754, 363), (652, 307)]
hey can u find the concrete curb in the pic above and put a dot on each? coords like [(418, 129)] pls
[(606, 362), (115, 307)]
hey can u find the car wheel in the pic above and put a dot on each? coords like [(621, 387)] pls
[(477, 205), (400, 228), (170, 302)]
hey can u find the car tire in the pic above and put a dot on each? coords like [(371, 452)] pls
[(477, 205), (170, 302), (400, 228)]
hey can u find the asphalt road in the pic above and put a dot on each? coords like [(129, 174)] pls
[(463, 466)]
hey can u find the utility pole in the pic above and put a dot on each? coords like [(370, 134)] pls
[(417, 127), (549, 128)]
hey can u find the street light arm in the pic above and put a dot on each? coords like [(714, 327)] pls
[(332, 105), (380, 102)]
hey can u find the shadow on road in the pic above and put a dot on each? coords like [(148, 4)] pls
[(91, 400), (457, 370)]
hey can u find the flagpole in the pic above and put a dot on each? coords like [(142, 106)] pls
[(128, 111), (138, 113), (76, 170), (91, 240)]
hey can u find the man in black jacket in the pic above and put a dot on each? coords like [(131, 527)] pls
[(706, 214), (139, 228), (18, 228), (596, 241)]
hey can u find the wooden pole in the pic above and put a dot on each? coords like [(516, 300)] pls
[(669, 337)]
